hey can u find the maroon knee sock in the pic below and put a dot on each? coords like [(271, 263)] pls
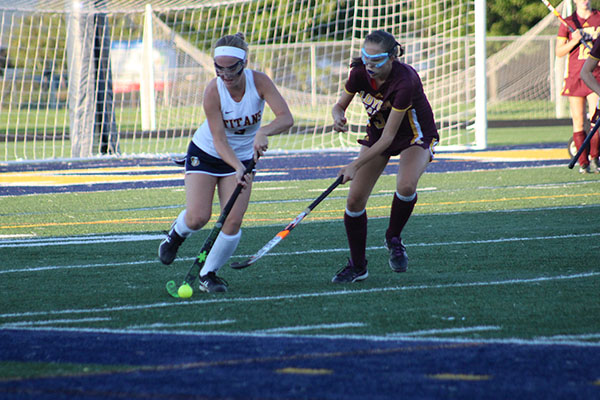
[(401, 211), (356, 230), (579, 138), (594, 145)]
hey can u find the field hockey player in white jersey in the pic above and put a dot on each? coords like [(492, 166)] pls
[(221, 148)]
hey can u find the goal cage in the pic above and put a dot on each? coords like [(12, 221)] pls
[(91, 78)]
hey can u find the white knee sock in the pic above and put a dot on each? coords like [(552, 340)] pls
[(180, 226), (221, 251), (406, 198), (355, 214)]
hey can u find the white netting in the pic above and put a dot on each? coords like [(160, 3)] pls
[(521, 82), (57, 99)]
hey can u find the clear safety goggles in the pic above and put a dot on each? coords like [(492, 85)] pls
[(232, 70), (377, 59)]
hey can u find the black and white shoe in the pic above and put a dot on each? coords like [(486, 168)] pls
[(398, 257), (351, 273), (211, 283), (167, 250), (594, 166)]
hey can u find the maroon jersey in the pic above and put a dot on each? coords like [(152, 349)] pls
[(402, 91), (573, 85)]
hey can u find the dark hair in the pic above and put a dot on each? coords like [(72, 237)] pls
[(238, 40), (386, 40)]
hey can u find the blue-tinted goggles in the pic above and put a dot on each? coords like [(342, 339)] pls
[(377, 59), (235, 69)]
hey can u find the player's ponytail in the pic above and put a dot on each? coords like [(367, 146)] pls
[(387, 41)]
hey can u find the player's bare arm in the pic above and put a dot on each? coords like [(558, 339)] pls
[(587, 75), (212, 110), (564, 46), (338, 112), (283, 116)]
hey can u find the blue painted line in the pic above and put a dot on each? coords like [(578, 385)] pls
[(285, 167)]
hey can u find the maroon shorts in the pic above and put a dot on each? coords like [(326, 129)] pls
[(575, 87), (402, 143)]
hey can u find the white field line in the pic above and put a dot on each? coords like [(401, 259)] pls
[(182, 324), (585, 336), (53, 321), (18, 236), (293, 253), (302, 295), (311, 327), (68, 267), (79, 240), (449, 330), (373, 338)]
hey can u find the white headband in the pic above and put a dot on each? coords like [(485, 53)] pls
[(230, 51)]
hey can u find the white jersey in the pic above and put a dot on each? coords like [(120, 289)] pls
[(241, 119)]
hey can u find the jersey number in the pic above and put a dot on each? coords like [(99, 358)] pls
[(240, 132), (379, 121)]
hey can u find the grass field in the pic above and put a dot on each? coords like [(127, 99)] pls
[(505, 256)]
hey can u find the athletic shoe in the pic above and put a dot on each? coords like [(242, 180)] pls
[(211, 283), (594, 166), (351, 273), (398, 256), (584, 169), (167, 251)]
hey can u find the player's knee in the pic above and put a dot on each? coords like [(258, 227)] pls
[(196, 221), (232, 227), (354, 204), (406, 189)]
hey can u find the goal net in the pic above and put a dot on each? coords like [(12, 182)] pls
[(85, 78), (524, 75)]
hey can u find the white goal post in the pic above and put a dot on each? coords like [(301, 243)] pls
[(89, 78)]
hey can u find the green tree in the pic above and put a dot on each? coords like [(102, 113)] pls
[(513, 17)]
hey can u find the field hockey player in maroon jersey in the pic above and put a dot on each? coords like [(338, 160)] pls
[(401, 123), (585, 23)]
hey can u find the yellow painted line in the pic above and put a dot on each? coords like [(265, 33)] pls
[(513, 199), (62, 180), (114, 221), (509, 155), (80, 176), (94, 170), (459, 377), (304, 371)]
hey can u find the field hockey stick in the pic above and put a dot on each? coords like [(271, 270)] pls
[(585, 144), (562, 20), (281, 235), (171, 286)]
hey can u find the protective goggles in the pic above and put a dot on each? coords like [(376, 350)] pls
[(232, 70), (377, 59)]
